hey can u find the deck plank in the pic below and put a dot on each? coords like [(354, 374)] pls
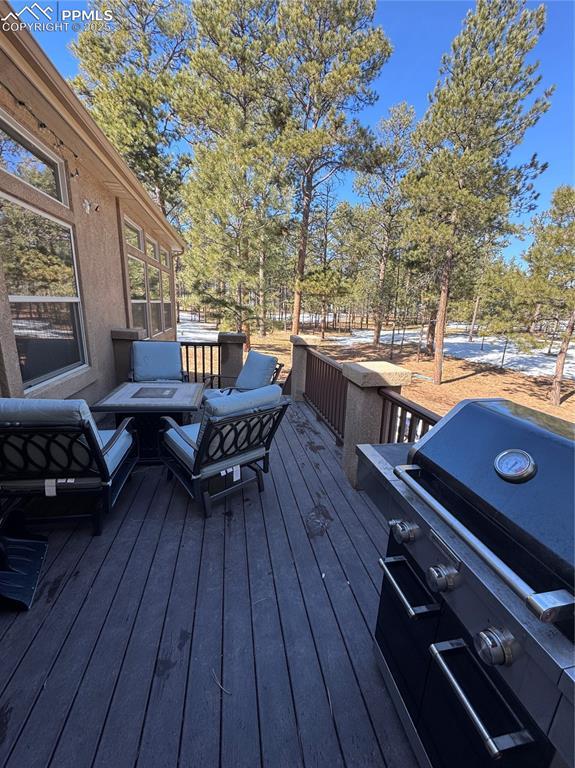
[(357, 737), (160, 742), (134, 635)]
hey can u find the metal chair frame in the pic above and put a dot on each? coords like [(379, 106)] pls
[(248, 431), (65, 452)]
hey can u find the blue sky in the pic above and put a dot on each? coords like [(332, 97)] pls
[(420, 31)]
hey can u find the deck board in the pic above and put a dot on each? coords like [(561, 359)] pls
[(241, 640)]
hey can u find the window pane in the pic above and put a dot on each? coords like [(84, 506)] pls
[(139, 319), (154, 283), (36, 253), (167, 300), (152, 250), (156, 316), (133, 236), (164, 257), (137, 279), (20, 158), (47, 338)]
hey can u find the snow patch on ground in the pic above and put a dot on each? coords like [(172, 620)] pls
[(533, 363)]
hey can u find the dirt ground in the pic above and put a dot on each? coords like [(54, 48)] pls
[(462, 379)]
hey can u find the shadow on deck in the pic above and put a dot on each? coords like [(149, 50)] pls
[(241, 640)]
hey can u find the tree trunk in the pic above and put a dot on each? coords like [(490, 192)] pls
[(262, 294), (378, 309), (555, 393), (536, 318), (441, 321), (430, 340), (323, 318), (474, 318), (307, 188)]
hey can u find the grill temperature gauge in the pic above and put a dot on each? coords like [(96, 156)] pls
[(515, 465)]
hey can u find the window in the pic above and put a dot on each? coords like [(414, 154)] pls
[(167, 300), (164, 257), (20, 157), (151, 250), (133, 235), (137, 276), (37, 254), (155, 299)]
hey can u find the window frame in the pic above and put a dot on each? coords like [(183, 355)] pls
[(139, 230), (143, 301), (155, 246), (24, 137), (158, 301), (21, 299)]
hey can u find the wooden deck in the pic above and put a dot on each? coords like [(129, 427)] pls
[(243, 640)]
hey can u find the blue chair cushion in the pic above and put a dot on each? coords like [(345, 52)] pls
[(156, 361), (241, 402), (186, 453), (257, 371), (43, 411), (115, 457), (209, 394)]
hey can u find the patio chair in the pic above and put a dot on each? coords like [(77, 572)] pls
[(236, 432), (157, 361), (53, 447), (258, 371)]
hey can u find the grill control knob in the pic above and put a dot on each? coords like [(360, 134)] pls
[(496, 647), (403, 531), (442, 578)]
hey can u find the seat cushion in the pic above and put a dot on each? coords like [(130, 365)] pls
[(43, 411), (241, 402), (183, 451), (157, 361), (211, 393), (186, 453), (257, 371), (114, 458)]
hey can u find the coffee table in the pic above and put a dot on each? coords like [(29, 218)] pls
[(147, 402)]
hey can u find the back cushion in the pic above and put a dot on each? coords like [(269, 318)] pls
[(153, 360), (257, 371), (38, 411)]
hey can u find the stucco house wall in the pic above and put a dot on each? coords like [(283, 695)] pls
[(101, 192)]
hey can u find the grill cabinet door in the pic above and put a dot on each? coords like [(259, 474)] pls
[(469, 717), (406, 626)]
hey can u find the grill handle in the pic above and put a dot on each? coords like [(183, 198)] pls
[(547, 606), (411, 610), (495, 745)]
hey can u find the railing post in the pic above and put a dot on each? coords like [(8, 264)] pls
[(298, 366), (364, 406), (122, 339), (232, 346)]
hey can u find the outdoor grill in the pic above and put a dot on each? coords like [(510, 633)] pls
[(474, 634)]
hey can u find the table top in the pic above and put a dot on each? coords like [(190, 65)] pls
[(148, 396)]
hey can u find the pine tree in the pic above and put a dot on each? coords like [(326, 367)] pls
[(381, 188), (128, 79), (238, 191), (465, 187), (327, 56), (551, 261)]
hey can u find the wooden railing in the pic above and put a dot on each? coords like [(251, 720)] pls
[(402, 420), (326, 390), (201, 359)]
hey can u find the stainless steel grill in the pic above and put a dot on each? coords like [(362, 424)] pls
[(475, 627)]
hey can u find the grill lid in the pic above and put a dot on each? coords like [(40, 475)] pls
[(514, 465)]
